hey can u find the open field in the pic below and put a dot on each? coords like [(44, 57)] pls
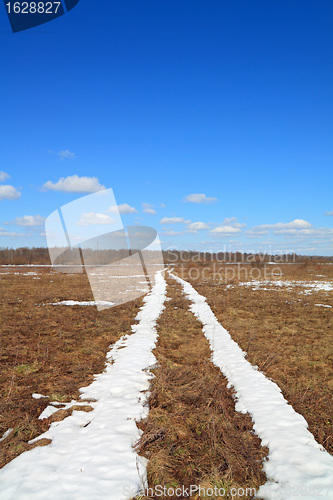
[(47, 349), (281, 316), (286, 328)]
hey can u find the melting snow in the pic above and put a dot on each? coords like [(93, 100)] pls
[(82, 303), (55, 406), (38, 396), (6, 434), (91, 455), (23, 274), (311, 286), (295, 457)]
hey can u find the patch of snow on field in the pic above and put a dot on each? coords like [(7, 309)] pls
[(25, 265), (322, 305), (122, 277), (81, 303), (23, 274), (38, 396), (91, 456), (325, 286), (295, 458), (5, 434), (311, 286)]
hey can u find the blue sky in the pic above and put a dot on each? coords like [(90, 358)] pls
[(230, 101)]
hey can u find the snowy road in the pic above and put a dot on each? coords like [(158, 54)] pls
[(91, 455), (297, 465)]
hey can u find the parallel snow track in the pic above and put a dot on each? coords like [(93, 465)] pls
[(91, 456), (297, 465)]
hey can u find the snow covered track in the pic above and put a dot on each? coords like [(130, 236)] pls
[(91, 456), (297, 465)]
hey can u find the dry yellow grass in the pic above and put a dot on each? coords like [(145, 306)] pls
[(193, 434), (282, 331), (50, 350)]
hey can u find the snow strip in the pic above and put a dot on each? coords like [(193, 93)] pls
[(5, 434), (81, 303), (295, 458), (91, 455)]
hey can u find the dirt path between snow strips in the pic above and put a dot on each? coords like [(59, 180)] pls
[(193, 435)]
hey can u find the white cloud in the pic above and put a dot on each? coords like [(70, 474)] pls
[(91, 218), (148, 208), (251, 233), (295, 224), (174, 220), (173, 233), (30, 220), (197, 226), (3, 176), (321, 231), (9, 193), (229, 220), (199, 198), (11, 234), (225, 230), (232, 221), (228, 227), (329, 213), (64, 153), (298, 228), (75, 184), (123, 209)]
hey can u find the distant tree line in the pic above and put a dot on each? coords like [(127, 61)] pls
[(24, 255), (65, 256), (40, 255), (178, 256)]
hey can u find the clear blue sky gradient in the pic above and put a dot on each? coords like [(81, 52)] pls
[(162, 99)]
